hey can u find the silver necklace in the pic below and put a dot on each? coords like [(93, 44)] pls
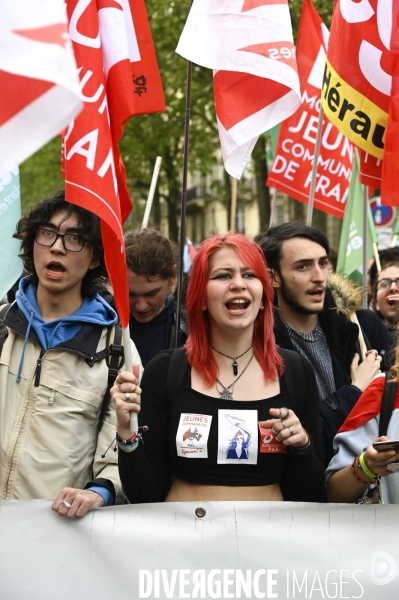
[(227, 393), (234, 358)]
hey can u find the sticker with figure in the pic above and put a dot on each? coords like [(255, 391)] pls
[(238, 437), (192, 435)]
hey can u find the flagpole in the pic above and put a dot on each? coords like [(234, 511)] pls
[(365, 244), (151, 193), (274, 207), (233, 209), (314, 167), (134, 425), (180, 267)]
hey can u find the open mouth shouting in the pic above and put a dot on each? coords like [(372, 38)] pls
[(317, 294), (393, 300), (237, 305), (55, 270)]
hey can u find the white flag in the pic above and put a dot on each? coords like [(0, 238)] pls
[(249, 45), (39, 83)]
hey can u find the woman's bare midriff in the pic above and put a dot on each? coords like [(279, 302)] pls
[(184, 491)]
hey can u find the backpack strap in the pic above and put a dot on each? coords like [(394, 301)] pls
[(176, 373), (114, 355), (388, 400), (3, 329)]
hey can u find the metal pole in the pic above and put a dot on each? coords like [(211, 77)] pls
[(180, 266), (273, 208), (314, 167), (233, 209), (365, 244), (151, 193)]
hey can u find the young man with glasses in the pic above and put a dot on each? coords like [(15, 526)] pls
[(54, 427), (386, 296)]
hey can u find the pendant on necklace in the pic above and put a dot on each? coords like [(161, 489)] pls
[(226, 395), (235, 367)]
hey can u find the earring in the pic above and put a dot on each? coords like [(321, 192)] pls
[(261, 307)]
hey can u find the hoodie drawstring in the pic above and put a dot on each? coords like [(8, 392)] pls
[(23, 349)]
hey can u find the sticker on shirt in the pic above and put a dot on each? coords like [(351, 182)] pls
[(238, 437), (192, 435), (268, 443)]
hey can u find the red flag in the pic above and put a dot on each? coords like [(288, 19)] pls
[(370, 170), (108, 55), (250, 47), (148, 91), (360, 89), (291, 171), (390, 167), (39, 86)]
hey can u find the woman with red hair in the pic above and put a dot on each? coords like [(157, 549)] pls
[(245, 411)]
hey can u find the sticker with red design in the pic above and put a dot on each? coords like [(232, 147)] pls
[(268, 443), (192, 435)]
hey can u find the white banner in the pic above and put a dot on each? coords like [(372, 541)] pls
[(236, 550), (11, 265)]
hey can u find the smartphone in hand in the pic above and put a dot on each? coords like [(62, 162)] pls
[(388, 445)]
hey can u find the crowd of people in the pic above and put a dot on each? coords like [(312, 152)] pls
[(282, 388)]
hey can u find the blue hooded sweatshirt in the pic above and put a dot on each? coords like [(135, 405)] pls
[(52, 333), (93, 310)]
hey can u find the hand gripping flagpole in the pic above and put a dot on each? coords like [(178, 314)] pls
[(314, 167), (180, 269)]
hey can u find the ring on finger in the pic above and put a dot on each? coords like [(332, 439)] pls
[(66, 504), (283, 424), (134, 389), (287, 412), (127, 397), (291, 431), (275, 433), (119, 386)]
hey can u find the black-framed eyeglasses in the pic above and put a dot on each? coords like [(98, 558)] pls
[(72, 242), (386, 282)]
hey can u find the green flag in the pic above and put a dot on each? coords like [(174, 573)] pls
[(273, 135), (10, 211), (350, 252), (396, 228)]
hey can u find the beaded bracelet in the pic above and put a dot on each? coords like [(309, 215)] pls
[(367, 483), (365, 468), (131, 443)]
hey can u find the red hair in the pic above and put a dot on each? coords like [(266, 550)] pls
[(200, 355)]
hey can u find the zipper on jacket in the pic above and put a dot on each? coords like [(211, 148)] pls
[(38, 369)]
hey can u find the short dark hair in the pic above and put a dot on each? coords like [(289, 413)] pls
[(272, 240), (89, 227), (388, 258), (150, 253)]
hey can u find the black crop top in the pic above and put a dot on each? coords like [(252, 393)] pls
[(210, 441)]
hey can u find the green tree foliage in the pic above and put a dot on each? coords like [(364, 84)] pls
[(41, 174), (162, 134)]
